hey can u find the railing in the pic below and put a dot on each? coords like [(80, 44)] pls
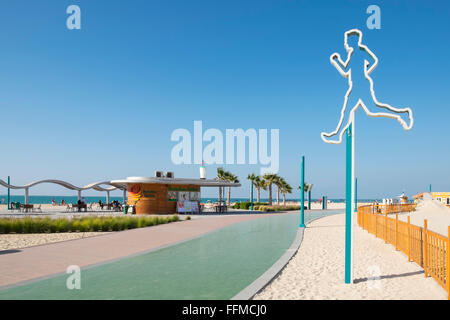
[(428, 249), (388, 208)]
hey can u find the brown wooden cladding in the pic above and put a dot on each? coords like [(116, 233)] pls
[(153, 198)]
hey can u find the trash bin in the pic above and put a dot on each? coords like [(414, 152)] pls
[(125, 209)]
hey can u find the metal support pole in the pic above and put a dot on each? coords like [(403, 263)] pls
[(26, 196), (356, 194), (79, 194), (251, 201), (107, 197), (349, 204), (309, 200), (9, 193), (124, 196), (302, 186)]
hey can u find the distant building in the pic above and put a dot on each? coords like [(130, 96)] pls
[(403, 198), (443, 197), (165, 194)]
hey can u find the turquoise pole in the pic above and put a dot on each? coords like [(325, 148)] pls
[(9, 194), (302, 192), (356, 194), (309, 200), (251, 203), (348, 205), (430, 187)]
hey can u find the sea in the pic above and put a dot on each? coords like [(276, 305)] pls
[(34, 199)]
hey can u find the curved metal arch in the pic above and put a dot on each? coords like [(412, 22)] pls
[(67, 185)]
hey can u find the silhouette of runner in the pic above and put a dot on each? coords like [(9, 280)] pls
[(360, 63)]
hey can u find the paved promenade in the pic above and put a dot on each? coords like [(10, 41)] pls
[(42, 261)]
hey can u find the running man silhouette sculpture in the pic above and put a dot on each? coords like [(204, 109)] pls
[(367, 63)]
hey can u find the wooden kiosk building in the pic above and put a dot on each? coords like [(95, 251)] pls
[(162, 195)]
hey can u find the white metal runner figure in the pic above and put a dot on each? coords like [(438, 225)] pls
[(352, 102), (359, 64)]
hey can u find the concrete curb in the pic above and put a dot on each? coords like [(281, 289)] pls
[(260, 283)]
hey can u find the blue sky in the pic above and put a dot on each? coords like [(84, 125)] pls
[(101, 102)]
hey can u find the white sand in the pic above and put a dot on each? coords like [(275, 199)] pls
[(436, 213), (16, 241), (317, 270)]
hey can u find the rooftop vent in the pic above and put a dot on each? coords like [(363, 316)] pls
[(159, 174), (169, 174)]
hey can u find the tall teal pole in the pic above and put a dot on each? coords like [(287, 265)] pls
[(356, 194), (9, 193), (251, 203), (309, 200), (348, 206), (430, 187), (302, 192)]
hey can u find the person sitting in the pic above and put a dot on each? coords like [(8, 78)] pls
[(79, 205), (63, 203), (84, 204)]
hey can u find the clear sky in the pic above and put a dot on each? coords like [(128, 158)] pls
[(101, 102)]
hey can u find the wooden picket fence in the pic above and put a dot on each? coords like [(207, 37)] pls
[(428, 249)]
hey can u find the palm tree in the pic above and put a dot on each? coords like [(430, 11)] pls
[(221, 175), (232, 179), (285, 188), (279, 182), (252, 177), (260, 183), (270, 179), (308, 188)]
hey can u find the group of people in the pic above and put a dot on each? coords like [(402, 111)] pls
[(82, 204), (115, 204), (55, 203), (15, 204)]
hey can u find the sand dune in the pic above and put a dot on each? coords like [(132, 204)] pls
[(437, 214)]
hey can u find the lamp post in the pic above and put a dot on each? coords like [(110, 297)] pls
[(302, 192)]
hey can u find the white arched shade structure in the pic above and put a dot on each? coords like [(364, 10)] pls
[(96, 186)]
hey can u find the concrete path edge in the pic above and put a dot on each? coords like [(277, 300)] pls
[(259, 284)]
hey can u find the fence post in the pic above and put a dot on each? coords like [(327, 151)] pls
[(448, 264), (396, 231), (409, 239), (385, 226), (425, 247), (376, 225)]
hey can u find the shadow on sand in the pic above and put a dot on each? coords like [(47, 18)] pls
[(390, 276)]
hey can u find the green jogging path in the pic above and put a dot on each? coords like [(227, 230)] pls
[(216, 265)]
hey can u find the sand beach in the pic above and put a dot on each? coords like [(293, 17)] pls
[(317, 270)]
